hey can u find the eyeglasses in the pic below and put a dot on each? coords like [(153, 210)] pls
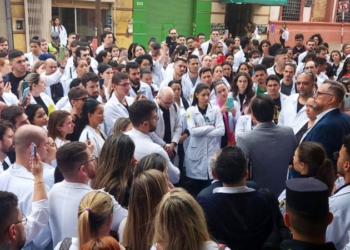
[(124, 85), (23, 221), (82, 99), (94, 159), (336, 155), (173, 33), (322, 93), (166, 103)]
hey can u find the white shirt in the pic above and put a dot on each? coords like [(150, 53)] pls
[(99, 49), (52, 80), (244, 123), (114, 110), (208, 245), (10, 99), (18, 180), (64, 199), (145, 146), (60, 142), (94, 137)]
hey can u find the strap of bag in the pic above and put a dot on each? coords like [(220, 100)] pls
[(66, 243)]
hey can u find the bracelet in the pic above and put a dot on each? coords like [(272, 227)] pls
[(62, 67), (39, 182)]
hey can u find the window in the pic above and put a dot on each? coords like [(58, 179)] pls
[(291, 12), (346, 17)]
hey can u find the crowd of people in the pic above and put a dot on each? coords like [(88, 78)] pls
[(229, 143)]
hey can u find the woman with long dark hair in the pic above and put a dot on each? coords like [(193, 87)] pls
[(206, 126), (242, 91)]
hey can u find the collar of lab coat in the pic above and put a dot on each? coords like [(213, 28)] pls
[(20, 171), (75, 185)]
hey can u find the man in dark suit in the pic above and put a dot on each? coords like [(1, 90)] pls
[(269, 147), (216, 183), (237, 215), (331, 124)]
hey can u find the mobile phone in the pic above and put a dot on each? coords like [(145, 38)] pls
[(196, 40), (87, 135), (24, 86), (5, 78), (32, 150), (226, 33), (139, 93), (94, 43), (102, 81), (221, 59), (168, 40), (62, 53), (216, 39), (230, 103), (125, 53), (24, 95), (347, 101)]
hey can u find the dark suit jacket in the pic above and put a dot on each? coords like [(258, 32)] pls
[(209, 190), (329, 131)]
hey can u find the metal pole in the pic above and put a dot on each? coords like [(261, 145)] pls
[(9, 24), (342, 28), (98, 21)]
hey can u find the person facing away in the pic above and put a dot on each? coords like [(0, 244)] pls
[(237, 215), (307, 214), (275, 143)]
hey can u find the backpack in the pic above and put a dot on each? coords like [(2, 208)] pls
[(56, 92)]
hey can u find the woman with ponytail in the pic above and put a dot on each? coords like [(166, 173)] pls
[(95, 217), (310, 160)]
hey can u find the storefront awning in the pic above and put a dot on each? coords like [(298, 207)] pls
[(260, 2)]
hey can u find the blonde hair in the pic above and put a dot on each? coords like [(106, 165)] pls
[(37, 65), (104, 243), (180, 222), (95, 210), (121, 124), (147, 191)]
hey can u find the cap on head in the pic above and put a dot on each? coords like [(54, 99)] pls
[(307, 196), (55, 36)]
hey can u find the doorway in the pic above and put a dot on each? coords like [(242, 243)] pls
[(236, 18)]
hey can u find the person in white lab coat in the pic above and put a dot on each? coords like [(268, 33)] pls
[(294, 112), (133, 71), (206, 126), (78, 166), (33, 56), (25, 179), (338, 230), (37, 88), (91, 117), (59, 28), (94, 210), (144, 119), (242, 91), (168, 131), (119, 102), (60, 125)]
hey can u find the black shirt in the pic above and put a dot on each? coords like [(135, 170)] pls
[(41, 103), (209, 48), (15, 83), (286, 89), (203, 111), (241, 100), (302, 245), (299, 106), (296, 50), (329, 70), (136, 89), (280, 76), (167, 126), (224, 138)]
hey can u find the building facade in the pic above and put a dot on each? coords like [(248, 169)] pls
[(139, 20)]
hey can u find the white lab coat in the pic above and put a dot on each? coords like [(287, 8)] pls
[(31, 59), (46, 99), (204, 142), (187, 85), (145, 146), (302, 56), (114, 110), (212, 95), (238, 58), (63, 34), (64, 199), (321, 78), (205, 47), (290, 117), (175, 125), (238, 107), (337, 231), (52, 80), (94, 137), (169, 71), (244, 124), (20, 181), (10, 98), (341, 64), (145, 90)]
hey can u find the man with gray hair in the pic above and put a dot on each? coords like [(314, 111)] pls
[(169, 126), (331, 124)]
